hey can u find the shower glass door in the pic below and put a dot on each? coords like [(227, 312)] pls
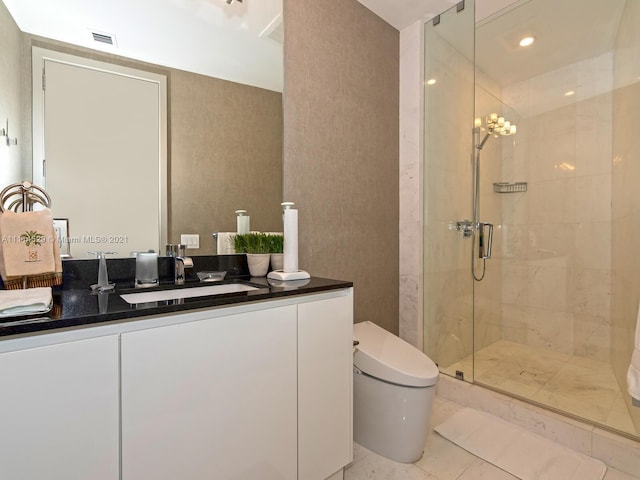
[(550, 317), (554, 317), (448, 118)]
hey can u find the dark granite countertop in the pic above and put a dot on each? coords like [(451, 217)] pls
[(76, 307)]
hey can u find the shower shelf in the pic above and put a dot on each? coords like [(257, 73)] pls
[(505, 187)]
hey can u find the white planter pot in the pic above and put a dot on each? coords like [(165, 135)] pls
[(258, 263), (277, 261)]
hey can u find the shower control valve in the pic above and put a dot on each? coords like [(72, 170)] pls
[(466, 227)]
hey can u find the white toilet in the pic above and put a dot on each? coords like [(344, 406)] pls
[(394, 384)]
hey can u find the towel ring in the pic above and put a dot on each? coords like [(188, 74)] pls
[(21, 197)]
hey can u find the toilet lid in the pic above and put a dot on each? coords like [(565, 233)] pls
[(387, 357)]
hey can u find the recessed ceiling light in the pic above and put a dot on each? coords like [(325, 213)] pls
[(526, 41), (431, 81), (569, 93)]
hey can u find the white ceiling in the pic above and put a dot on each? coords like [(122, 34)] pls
[(402, 13), (568, 34), (237, 40)]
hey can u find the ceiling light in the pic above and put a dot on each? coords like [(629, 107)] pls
[(569, 93), (526, 41), (431, 81)]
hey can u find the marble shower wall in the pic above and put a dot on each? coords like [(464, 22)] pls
[(411, 178), (625, 261), (556, 253)]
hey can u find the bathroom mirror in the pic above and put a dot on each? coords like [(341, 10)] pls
[(224, 147)]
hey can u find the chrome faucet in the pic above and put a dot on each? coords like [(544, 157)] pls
[(103, 284), (181, 261)]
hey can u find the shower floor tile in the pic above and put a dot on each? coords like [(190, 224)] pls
[(577, 385)]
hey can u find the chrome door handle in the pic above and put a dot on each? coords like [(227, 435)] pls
[(485, 240)]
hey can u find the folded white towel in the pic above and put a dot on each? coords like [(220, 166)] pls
[(225, 243), (633, 374), (25, 302)]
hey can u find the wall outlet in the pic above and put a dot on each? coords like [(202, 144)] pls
[(191, 240)]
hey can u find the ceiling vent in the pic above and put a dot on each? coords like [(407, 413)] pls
[(278, 34), (105, 38), (275, 30)]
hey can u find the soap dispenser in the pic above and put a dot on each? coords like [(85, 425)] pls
[(103, 284)]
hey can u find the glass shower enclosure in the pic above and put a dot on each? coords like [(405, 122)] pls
[(531, 205)]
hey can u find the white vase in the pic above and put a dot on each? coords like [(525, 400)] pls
[(258, 263), (277, 261)]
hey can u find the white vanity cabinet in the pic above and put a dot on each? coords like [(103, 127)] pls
[(325, 392), (59, 411), (214, 398), (254, 391)]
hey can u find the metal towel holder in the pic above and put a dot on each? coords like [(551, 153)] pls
[(21, 197)]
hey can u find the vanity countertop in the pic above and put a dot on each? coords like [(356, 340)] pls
[(81, 307)]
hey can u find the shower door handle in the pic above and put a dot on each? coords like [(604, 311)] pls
[(485, 239)]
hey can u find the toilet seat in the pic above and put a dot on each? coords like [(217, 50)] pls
[(387, 357)]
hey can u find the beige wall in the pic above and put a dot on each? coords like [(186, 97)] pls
[(341, 148), (225, 148), (10, 98), (225, 137)]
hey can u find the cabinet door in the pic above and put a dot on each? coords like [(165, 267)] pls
[(209, 399), (59, 411), (325, 391)]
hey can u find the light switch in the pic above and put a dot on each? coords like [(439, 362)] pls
[(191, 240)]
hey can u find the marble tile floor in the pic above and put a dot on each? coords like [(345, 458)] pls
[(442, 460), (576, 385)]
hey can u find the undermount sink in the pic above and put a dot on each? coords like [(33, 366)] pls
[(163, 295)]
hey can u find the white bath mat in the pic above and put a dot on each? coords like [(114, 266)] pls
[(517, 451)]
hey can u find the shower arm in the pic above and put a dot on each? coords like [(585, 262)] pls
[(478, 144), (484, 140)]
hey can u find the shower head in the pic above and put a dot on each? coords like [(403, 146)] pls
[(499, 125), (494, 125)]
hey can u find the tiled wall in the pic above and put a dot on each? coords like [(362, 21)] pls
[(341, 148), (10, 98), (556, 251), (625, 260), (411, 178)]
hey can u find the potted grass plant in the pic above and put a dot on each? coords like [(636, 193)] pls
[(257, 247), (277, 251)]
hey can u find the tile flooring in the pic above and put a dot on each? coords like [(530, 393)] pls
[(442, 460), (576, 385)]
